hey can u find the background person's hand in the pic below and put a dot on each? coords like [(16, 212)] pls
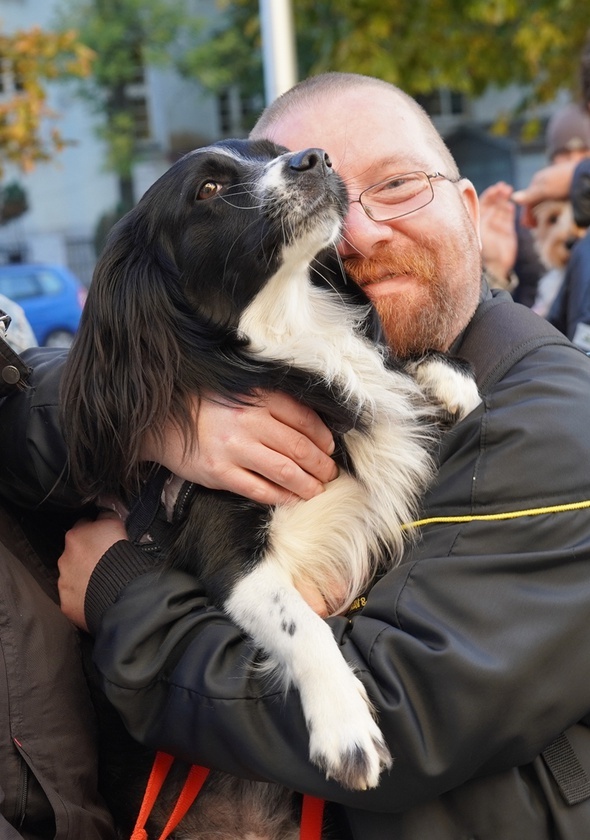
[(551, 182), (268, 452), (497, 229)]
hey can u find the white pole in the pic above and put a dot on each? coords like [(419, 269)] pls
[(278, 47)]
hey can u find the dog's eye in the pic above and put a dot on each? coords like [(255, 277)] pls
[(209, 189)]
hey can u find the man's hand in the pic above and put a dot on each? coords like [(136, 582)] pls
[(85, 544), (269, 452), (552, 182), (88, 540)]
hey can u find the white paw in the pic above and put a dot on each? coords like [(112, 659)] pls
[(461, 398), (452, 387), (349, 746)]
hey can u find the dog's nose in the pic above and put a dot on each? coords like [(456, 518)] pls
[(310, 159)]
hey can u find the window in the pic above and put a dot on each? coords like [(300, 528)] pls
[(237, 112), (10, 83), (136, 96), (443, 103)]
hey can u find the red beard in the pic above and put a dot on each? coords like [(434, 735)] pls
[(420, 319)]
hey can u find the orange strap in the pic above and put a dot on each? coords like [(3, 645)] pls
[(193, 784), (312, 810)]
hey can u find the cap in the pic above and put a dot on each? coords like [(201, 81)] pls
[(568, 130)]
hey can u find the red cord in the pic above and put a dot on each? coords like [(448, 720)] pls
[(193, 784), (161, 766), (312, 809), (312, 817)]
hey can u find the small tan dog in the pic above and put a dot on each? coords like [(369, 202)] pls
[(554, 234)]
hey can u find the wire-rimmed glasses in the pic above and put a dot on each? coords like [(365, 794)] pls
[(399, 195)]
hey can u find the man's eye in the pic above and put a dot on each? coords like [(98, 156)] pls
[(396, 184), (209, 189)]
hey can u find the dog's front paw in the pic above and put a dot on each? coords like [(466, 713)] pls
[(349, 747)]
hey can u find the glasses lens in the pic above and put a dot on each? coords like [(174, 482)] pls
[(397, 196)]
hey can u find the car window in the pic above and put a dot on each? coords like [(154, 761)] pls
[(19, 286), (50, 282)]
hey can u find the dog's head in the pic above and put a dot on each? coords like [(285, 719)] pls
[(175, 275), (555, 232), (224, 216)]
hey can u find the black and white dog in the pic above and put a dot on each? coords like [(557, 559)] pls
[(209, 286)]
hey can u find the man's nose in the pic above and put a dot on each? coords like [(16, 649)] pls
[(361, 235)]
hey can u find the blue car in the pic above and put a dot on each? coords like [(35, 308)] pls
[(51, 296)]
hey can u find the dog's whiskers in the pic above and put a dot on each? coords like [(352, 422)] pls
[(327, 280), (251, 250), (263, 201), (342, 269), (343, 238)]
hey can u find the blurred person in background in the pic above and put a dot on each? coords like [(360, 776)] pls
[(510, 251), (557, 181), (555, 231), (18, 332), (568, 179)]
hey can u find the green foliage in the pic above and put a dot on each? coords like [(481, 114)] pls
[(229, 53), (126, 36), (33, 58), (421, 45)]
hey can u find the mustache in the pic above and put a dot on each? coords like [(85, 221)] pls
[(418, 262)]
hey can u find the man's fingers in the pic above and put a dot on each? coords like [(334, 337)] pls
[(288, 411), (253, 486), (273, 478)]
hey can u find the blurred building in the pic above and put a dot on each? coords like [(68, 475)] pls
[(68, 197), (484, 156)]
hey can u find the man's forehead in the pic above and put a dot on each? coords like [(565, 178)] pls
[(369, 133)]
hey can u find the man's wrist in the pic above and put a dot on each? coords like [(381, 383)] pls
[(118, 566)]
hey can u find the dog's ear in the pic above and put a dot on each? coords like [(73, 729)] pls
[(130, 364)]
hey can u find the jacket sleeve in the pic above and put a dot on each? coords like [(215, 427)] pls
[(32, 448), (580, 193), (575, 294), (474, 651)]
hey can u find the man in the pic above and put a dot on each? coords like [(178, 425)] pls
[(474, 650)]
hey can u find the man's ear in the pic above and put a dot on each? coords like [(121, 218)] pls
[(471, 202)]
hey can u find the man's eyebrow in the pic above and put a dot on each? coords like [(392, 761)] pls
[(383, 168)]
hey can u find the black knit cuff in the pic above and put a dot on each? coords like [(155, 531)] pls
[(580, 193), (118, 566)]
